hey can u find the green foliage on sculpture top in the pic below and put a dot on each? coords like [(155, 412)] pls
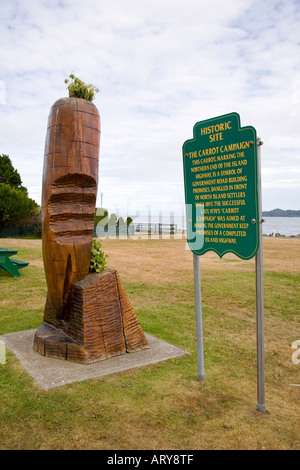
[(78, 89)]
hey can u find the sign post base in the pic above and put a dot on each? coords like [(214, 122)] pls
[(199, 328)]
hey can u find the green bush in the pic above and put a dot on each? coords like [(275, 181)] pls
[(98, 258), (8, 174), (15, 206), (78, 89)]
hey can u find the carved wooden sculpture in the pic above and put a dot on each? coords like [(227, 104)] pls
[(88, 316)]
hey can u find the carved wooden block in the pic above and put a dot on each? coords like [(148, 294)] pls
[(102, 323), (88, 317)]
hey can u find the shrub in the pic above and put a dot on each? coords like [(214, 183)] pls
[(15, 206), (98, 258), (8, 174), (78, 89)]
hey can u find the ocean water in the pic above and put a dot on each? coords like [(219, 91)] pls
[(287, 226)]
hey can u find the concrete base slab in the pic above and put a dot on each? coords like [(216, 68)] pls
[(50, 373)]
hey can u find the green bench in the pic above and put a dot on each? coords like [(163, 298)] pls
[(11, 266)]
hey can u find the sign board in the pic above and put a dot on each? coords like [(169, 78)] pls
[(220, 175)]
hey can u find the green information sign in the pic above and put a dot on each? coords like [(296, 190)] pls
[(220, 176)]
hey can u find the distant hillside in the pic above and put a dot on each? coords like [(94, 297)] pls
[(281, 213)]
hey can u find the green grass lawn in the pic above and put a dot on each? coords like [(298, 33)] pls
[(163, 406)]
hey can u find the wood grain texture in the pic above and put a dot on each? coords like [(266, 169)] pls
[(102, 323), (70, 178), (88, 317)]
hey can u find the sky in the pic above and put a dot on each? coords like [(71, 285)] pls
[(161, 66)]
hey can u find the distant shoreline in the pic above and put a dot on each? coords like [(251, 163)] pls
[(281, 213), (279, 235)]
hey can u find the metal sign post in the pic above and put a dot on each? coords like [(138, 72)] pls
[(198, 307), (222, 180), (261, 406)]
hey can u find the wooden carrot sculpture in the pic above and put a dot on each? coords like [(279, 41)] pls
[(88, 316), (70, 179)]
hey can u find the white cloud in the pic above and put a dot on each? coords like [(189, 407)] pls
[(161, 66)]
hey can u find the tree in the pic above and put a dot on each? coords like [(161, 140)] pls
[(15, 205), (8, 174)]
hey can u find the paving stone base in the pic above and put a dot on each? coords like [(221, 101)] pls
[(50, 373)]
